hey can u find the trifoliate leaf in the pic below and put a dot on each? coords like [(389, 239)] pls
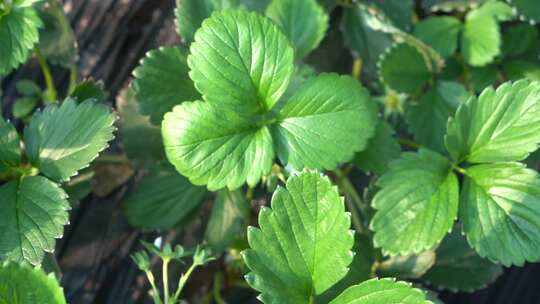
[(458, 267), (232, 39), (216, 146), (500, 212), (23, 284), (403, 68), (162, 81), (141, 139), (381, 149), (365, 42), (381, 291), (519, 69), (316, 125), (228, 219), (10, 150), (303, 245), (497, 10), (162, 200), (480, 40), (19, 33), (441, 33), (57, 41), (418, 202), (411, 266), (28, 87), (518, 39), (428, 118), (498, 126), (34, 214), (64, 139), (527, 8), (303, 21), (89, 89)]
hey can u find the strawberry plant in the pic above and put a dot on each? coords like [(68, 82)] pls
[(311, 151)]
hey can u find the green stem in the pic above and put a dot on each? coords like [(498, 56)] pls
[(155, 291), (51, 96), (72, 78), (216, 290), (183, 280), (112, 158), (249, 193), (355, 204), (165, 278), (459, 169)]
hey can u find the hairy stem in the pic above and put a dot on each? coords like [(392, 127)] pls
[(409, 143), (183, 280), (165, 278), (354, 202), (72, 78), (51, 95)]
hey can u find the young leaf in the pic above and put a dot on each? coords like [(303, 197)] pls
[(162, 200), (10, 150), (57, 41), (19, 33), (418, 201), (403, 68), (527, 8), (480, 40), (381, 149), (303, 21), (23, 284), (303, 245), (499, 126), (89, 89), (308, 133), (381, 291), (428, 118), (216, 146), (500, 212), (35, 212), (458, 267), (411, 266), (439, 32), (230, 39), (23, 106), (64, 139), (229, 217), (162, 81)]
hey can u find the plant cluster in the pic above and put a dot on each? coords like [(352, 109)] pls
[(420, 167)]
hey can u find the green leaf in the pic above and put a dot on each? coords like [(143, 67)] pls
[(64, 139), (428, 118), (303, 245), (229, 217), (23, 284), (498, 10), (141, 139), (529, 9), (189, 16), (162, 200), (364, 42), (441, 33), (381, 149), (19, 33), (57, 41), (498, 126), (89, 89), (458, 267), (10, 150), (482, 77), (399, 12), (24, 106), (418, 202), (500, 212), (304, 22), (518, 69), (381, 291), (403, 68), (34, 215), (216, 146), (307, 133), (518, 39), (162, 81), (411, 266), (230, 39), (480, 40)]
